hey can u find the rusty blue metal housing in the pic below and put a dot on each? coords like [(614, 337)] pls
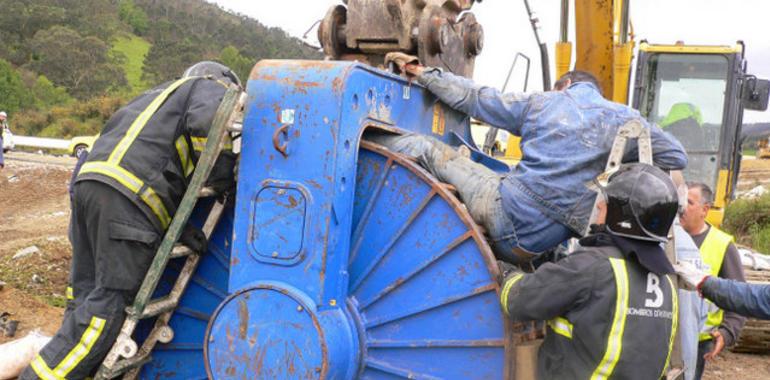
[(346, 260)]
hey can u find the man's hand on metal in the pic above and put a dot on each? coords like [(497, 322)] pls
[(407, 64), (691, 276), (719, 344)]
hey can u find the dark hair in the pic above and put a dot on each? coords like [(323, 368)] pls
[(575, 76), (706, 194)]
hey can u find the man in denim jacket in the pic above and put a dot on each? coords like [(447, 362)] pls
[(566, 138)]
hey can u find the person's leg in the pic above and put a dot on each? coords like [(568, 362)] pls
[(82, 268), (477, 186), (473, 181), (124, 243), (704, 348)]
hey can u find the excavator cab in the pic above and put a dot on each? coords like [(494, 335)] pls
[(698, 94)]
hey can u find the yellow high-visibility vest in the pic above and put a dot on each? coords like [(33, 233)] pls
[(712, 252)]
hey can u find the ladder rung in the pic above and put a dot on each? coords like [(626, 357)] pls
[(159, 306), (181, 251), (207, 192)]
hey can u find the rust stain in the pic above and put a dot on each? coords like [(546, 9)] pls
[(292, 201), (243, 319), (337, 85), (315, 184), (259, 361), (230, 339)]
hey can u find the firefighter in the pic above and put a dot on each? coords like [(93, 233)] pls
[(611, 306), (125, 196), (721, 256)]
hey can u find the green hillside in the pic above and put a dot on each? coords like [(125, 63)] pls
[(134, 49), (67, 65)]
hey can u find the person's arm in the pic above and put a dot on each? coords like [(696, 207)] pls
[(667, 152), (751, 300), (732, 322), (551, 291), (203, 104), (504, 111)]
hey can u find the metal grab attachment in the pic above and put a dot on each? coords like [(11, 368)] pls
[(125, 356), (633, 129)]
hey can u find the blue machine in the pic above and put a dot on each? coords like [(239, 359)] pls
[(340, 259)]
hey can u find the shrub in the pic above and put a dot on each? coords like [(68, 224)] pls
[(749, 221)]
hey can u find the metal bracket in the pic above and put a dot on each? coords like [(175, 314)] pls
[(633, 129)]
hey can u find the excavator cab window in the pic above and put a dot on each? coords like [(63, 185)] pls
[(685, 96)]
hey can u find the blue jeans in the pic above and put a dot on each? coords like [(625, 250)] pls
[(478, 187)]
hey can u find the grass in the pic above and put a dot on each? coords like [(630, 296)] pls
[(134, 49)]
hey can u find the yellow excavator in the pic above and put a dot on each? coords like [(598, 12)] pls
[(698, 93)]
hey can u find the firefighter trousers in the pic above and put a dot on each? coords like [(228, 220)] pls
[(113, 244)]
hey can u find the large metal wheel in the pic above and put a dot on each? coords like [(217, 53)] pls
[(422, 278)]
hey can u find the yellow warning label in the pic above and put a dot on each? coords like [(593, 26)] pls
[(439, 123)]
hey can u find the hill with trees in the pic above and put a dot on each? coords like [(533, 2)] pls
[(67, 65)]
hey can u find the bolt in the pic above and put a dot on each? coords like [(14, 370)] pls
[(333, 302), (275, 254), (300, 308)]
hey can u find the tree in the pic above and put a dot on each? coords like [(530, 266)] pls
[(13, 94), (81, 64), (47, 94), (134, 16), (232, 58)]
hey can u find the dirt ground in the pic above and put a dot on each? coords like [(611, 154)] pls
[(34, 211)]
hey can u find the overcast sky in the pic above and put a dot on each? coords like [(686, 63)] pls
[(507, 29)]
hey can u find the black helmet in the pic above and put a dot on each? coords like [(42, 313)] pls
[(214, 69), (642, 203)]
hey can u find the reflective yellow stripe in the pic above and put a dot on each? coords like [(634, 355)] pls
[(42, 370), (561, 326), (70, 295), (132, 183), (615, 338), (199, 144), (136, 127), (184, 155), (81, 349), (674, 323), (507, 289)]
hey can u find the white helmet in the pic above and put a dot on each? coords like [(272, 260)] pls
[(3, 114)]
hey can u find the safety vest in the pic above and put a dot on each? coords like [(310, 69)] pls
[(713, 252)]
